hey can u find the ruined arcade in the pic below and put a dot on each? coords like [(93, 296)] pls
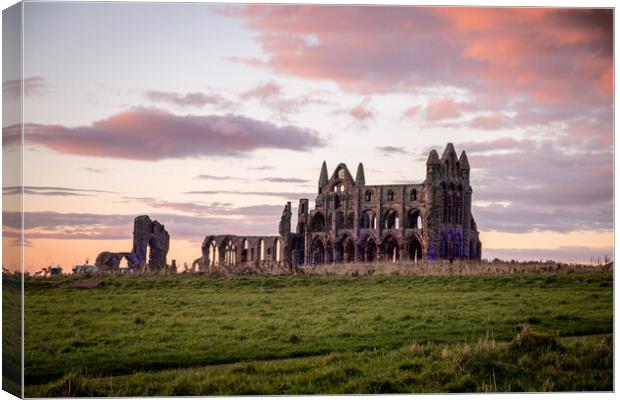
[(355, 222)]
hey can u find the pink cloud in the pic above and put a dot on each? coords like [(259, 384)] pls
[(154, 134), (263, 92), (271, 95), (606, 81), (557, 60), (363, 111), (411, 112), (445, 108), (493, 121), (11, 135), (361, 114), (592, 133)]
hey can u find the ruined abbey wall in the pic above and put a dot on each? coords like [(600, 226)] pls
[(151, 242), (355, 222)]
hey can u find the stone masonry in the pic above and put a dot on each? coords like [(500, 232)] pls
[(150, 247), (355, 222)]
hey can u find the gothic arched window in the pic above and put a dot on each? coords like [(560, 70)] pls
[(336, 201)]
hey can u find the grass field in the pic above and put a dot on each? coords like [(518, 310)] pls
[(192, 335), (11, 334)]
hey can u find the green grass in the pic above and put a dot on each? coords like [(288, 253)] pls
[(11, 334), (317, 334)]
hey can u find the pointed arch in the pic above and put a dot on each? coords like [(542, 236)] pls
[(344, 249), (414, 219), (348, 250), (368, 249), (317, 251), (414, 248), (391, 249), (245, 246), (210, 251), (368, 219), (230, 252), (391, 219)]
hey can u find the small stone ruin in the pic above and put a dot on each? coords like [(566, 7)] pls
[(151, 242)]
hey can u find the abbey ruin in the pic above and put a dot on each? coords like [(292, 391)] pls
[(356, 222), (151, 242)]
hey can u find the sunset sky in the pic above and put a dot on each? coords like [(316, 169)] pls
[(209, 118)]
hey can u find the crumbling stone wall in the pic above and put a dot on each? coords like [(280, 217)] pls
[(109, 262), (225, 251), (147, 235), (355, 222), (151, 235)]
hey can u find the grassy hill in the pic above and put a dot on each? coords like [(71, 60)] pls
[(189, 334)]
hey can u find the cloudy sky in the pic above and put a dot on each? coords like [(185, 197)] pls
[(210, 117)]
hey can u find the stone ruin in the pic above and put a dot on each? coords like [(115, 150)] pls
[(356, 222), (351, 222), (151, 242)]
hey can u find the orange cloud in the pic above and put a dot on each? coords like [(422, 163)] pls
[(482, 19), (606, 81), (497, 55)]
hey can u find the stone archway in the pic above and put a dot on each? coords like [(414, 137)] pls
[(317, 252), (391, 219), (414, 248), (414, 219), (245, 246), (368, 249), (345, 249), (391, 249), (368, 220), (229, 252)]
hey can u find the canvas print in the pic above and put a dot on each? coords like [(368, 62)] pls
[(235, 199)]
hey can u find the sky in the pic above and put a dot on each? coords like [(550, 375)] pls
[(210, 117)]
